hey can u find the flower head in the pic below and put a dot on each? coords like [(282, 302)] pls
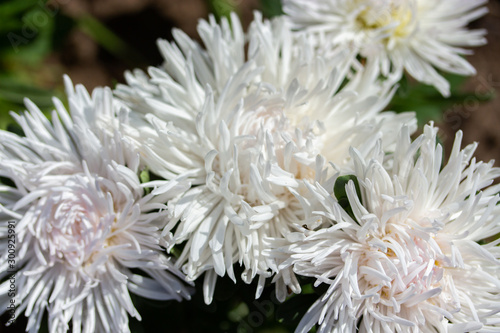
[(417, 250), (419, 36), (245, 128), (86, 234)]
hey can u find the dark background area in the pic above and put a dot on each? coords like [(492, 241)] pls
[(480, 121)]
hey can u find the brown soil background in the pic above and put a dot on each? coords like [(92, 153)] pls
[(480, 121), (141, 23)]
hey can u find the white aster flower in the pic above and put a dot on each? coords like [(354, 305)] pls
[(420, 250), (245, 128), (419, 36), (86, 235)]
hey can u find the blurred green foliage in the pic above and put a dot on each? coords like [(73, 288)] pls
[(429, 104), (271, 8), (29, 32), (222, 8)]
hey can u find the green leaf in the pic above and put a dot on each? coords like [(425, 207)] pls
[(339, 190), (15, 7), (238, 313), (13, 92), (307, 289), (10, 25), (223, 8), (144, 175), (176, 252), (271, 8), (339, 187), (427, 102), (27, 38), (12, 95)]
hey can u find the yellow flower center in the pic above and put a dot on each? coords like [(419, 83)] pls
[(394, 17)]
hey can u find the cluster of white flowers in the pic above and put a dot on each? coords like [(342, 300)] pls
[(251, 138), (406, 256), (261, 124)]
